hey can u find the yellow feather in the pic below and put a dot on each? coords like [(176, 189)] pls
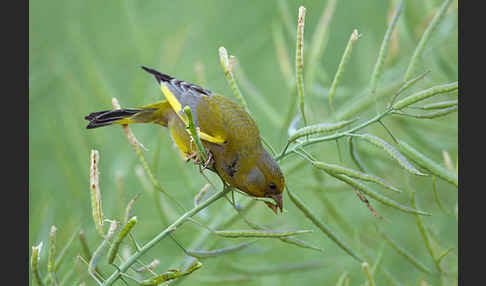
[(176, 106), (124, 121), (174, 103)]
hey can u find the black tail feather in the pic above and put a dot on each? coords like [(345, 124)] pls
[(158, 75), (96, 124), (104, 118), (92, 115)]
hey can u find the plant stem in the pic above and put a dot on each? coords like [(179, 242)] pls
[(191, 126), (137, 146), (132, 259)]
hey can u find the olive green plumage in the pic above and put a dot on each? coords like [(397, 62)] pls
[(227, 131)]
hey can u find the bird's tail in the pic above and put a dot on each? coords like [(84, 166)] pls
[(117, 116), (158, 112)]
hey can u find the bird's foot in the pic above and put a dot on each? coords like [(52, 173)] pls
[(202, 164), (191, 156), (209, 162)]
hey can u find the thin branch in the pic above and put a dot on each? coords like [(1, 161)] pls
[(133, 258)]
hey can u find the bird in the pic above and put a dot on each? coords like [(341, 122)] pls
[(228, 132)]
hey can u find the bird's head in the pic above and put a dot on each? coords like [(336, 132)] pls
[(265, 180)]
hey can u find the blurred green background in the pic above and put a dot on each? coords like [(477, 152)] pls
[(83, 53)]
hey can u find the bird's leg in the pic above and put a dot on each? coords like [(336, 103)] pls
[(202, 165), (209, 162), (191, 156)]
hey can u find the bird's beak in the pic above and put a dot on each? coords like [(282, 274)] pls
[(278, 203)]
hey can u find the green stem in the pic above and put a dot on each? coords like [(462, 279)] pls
[(136, 145), (132, 259), (191, 126)]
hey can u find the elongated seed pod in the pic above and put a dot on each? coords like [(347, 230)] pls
[(424, 94), (354, 174), (96, 208), (428, 164), (319, 128), (391, 151), (217, 252), (425, 37), (97, 254), (346, 55), (431, 115), (441, 104), (170, 275), (299, 61), (52, 253), (258, 233), (121, 235), (34, 263), (377, 196), (380, 61), (300, 243)]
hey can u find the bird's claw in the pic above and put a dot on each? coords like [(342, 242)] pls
[(204, 165), (209, 161), (191, 156)]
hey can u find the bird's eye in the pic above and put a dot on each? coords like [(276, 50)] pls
[(272, 186)]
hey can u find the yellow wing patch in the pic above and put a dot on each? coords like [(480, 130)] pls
[(174, 103), (176, 106)]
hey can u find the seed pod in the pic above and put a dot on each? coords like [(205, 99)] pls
[(426, 163), (170, 275), (34, 263), (440, 105), (101, 248), (216, 252), (257, 233), (52, 253), (431, 115), (354, 174), (319, 128), (346, 55), (391, 151), (424, 94), (377, 196), (97, 211), (121, 235)]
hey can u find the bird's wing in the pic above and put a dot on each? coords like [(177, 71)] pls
[(179, 94)]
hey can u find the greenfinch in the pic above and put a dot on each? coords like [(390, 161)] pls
[(227, 131)]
